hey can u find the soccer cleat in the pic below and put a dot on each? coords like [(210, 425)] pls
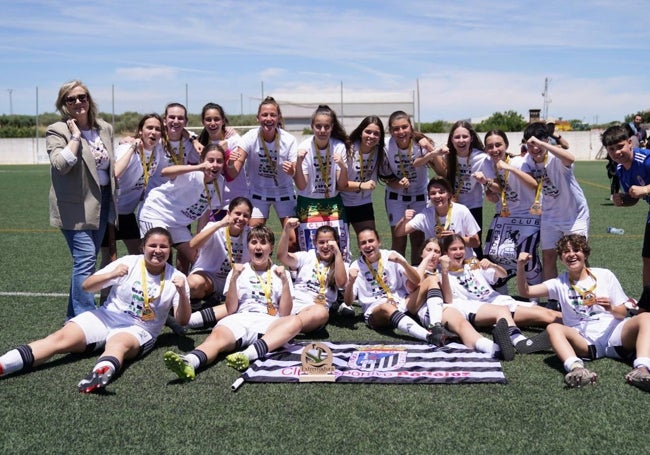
[(96, 379), (238, 361), (540, 342), (346, 311), (639, 377), (501, 338), (579, 377), (179, 365), (438, 336)]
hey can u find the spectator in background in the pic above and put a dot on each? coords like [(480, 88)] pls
[(639, 130), (633, 172), (555, 139)]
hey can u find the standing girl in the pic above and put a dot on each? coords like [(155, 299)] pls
[(407, 155), (321, 173), (365, 158), (268, 154), (513, 228), (191, 191), (83, 191), (466, 157)]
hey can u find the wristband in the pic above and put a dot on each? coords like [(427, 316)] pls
[(75, 138)]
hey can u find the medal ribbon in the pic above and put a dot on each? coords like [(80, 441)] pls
[(538, 192), (324, 168), (180, 157), (272, 164), (506, 173), (146, 307), (267, 288), (229, 246), (146, 165), (378, 276), (581, 291), (447, 218), (410, 159)]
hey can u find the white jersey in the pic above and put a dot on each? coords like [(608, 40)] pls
[(131, 183), (368, 290), (519, 197), (365, 167), (265, 172), (190, 156), (126, 295), (182, 200), (400, 163), (563, 201), (214, 259), (250, 290), (474, 285), (591, 321), (307, 285), (468, 190), (461, 222), (320, 183)]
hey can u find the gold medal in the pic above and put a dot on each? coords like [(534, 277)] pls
[(505, 212), (439, 230), (391, 302), (148, 314), (473, 263), (536, 209), (320, 299), (589, 299)]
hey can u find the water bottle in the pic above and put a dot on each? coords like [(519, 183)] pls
[(613, 230)]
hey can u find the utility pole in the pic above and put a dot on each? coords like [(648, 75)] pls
[(547, 98), (11, 103)]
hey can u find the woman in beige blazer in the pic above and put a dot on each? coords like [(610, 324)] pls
[(82, 194)]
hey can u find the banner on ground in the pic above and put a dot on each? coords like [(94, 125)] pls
[(380, 363)]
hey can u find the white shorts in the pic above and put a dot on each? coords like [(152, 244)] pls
[(610, 339), (179, 234), (247, 327), (285, 206), (100, 325), (395, 208), (550, 233)]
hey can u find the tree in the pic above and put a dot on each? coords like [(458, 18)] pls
[(506, 121)]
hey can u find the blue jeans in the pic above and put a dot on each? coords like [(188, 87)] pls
[(84, 246)]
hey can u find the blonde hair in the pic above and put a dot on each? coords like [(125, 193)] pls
[(62, 107)]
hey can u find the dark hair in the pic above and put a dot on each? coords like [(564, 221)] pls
[(615, 134), (325, 229), (165, 136), (452, 157), (499, 133), (355, 136), (440, 181), (270, 100), (447, 240), (261, 232), (371, 229), (62, 107), (212, 148), (537, 130), (204, 137), (145, 118), (157, 231), (338, 132), (240, 200), (577, 242)]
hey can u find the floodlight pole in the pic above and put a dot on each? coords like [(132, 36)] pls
[(11, 103)]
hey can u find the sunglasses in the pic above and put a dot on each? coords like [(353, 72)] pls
[(73, 99)]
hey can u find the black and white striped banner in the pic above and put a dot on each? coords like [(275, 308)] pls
[(384, 363)]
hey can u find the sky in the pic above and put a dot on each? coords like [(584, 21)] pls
[(469, 58)]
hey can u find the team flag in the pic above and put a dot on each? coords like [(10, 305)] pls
[(382, 363)]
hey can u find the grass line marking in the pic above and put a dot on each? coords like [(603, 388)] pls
[(33, 294)]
